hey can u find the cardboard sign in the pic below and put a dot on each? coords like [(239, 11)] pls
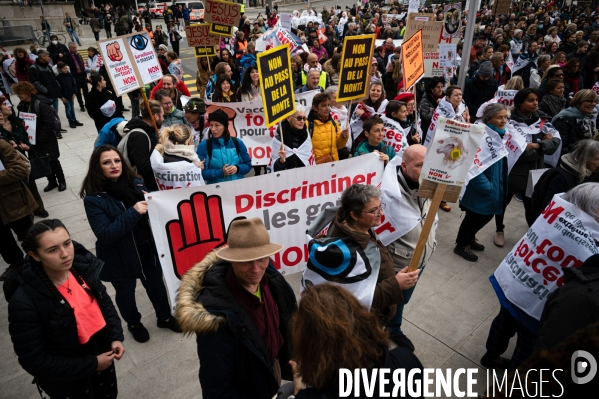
[(115, 53), (199, 36), (145, 58), (412, 59), (502, 7), (276, 86), (451, 152), (209, 51), (288, 202), (413, 6), (30, 121), (222, 16), (355, 66)]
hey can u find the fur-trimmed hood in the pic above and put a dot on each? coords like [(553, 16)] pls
[(191, 314)]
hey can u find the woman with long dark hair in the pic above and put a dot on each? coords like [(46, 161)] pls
[(250, 85), (375, 104), (99, 96), (223, 91), (428, 104), (225, 56), (572, 76), (332, 330), (113, 197), (63, 324), (23, 64)]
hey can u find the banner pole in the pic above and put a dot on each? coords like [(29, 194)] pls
[(143, 92), (428, 224), (208, 59), (348, 115)]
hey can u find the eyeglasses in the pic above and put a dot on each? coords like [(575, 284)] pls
[(378, 210), (299, 118)]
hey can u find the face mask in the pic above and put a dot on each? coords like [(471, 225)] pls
[(55, 42)]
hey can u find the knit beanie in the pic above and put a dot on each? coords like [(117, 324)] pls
[(219, 116), (486, 69)]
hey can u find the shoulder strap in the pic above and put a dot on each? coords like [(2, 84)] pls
[(209, 149), (236, 144)]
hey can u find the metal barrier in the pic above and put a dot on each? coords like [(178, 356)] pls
[(17, 34)]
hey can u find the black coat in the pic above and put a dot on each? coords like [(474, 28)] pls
[(46, 142), (44, 331), (477, 92), (139, 150), (56, 50), (570, 132), (43, 79), (94, 100), (571, 307), (562, 181), (232, 354), (68, 86)]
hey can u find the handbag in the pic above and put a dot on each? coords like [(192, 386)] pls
[(40, 167)]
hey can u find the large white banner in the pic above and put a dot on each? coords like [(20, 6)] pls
[(247, 122), (451, 151), (190, 222), (563, 236)]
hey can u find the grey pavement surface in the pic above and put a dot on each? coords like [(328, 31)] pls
[(447, 319)]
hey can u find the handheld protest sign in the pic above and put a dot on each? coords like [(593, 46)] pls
[(412, 60), (209, 51), (501, 7), (121, 71), (146, 61), (276, 87), (355, 63), (222, 16), (199, 36)]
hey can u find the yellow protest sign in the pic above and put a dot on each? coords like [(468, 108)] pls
[(412, 60), (276, 86), (355, 66)]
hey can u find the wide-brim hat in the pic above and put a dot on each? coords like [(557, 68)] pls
[(248, 240)]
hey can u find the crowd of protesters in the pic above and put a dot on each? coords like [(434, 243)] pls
[(251, 331)]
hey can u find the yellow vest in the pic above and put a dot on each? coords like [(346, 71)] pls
[(322, 81)]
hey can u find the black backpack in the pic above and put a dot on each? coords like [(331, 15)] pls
[(540, 190), (57, 125)]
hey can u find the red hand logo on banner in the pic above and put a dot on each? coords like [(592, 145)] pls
[(199, 230), (114, 51)]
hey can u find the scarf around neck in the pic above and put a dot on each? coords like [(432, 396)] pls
[(123, 190), (556, 104)]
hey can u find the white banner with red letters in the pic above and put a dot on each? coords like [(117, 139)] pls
[(30, 121), (174, 175), (563, 236), (190, 222), (247, 122)]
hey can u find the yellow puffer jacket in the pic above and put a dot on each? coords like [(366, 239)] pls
[(326, 137)]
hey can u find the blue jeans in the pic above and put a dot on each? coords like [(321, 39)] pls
[(73, 36), (69, 108), (394, 325), (152, 282), (46, 36), (54, 103)]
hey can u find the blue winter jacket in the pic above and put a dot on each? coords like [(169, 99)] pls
[(246, 61), (223, 153), (486, 194), (117, 238)]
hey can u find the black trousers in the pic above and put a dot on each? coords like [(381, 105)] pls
[(527, 201), (108, 33), (175, 46), (57, 173), (471, 225), (504, 327), (9, 249), (81, 81)]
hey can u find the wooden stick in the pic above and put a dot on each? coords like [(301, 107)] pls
[(143, 92), (348, 115), (428, 224), (208, 59)]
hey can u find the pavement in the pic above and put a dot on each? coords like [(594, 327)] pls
[(447, 318)]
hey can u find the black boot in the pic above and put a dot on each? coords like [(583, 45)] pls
[(51, 186), (62, 186)]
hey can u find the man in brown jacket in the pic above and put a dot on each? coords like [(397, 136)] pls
[(16, 205)]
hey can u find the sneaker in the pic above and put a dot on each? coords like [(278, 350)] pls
[(7, 272), (401, 340), (519, 197), (489, 363), (51, 186), (41, 214), (499, 239), (139, 332), (465, 252), (476, 246), (77, 123), (172, 323)]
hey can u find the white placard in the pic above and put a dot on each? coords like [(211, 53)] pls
[(451, 152), (447, 55), (285, 21), (30, 121), (145, 57), (119, 66)]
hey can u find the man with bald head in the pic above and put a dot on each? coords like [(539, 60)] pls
[(312, 63), (402, 249)]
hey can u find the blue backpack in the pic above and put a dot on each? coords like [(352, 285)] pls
[(109, 133)]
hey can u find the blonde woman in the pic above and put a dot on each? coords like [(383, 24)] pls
[(176, 145)]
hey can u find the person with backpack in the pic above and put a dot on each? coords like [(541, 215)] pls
[(47, 130), (63, 324), (113, 197), (140, 138), (43, 79), (225, 158), (575, 168)]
